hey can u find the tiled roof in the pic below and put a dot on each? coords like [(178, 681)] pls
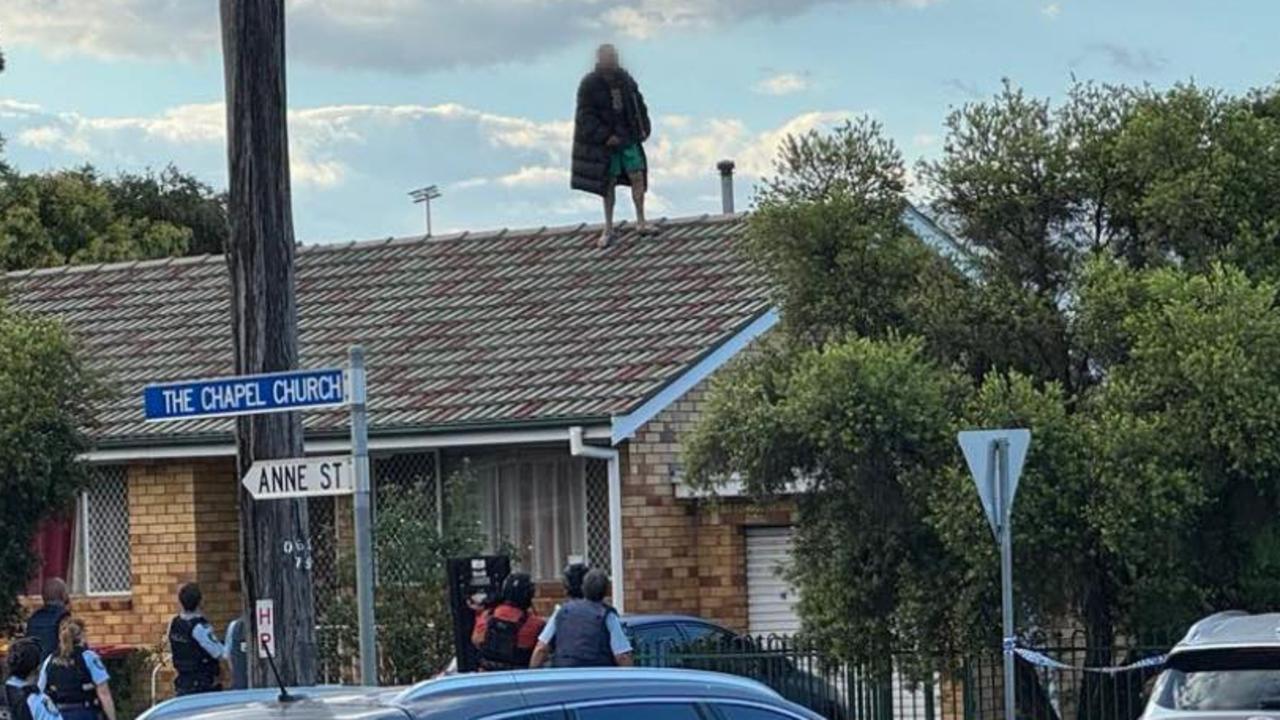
[(459, 331)]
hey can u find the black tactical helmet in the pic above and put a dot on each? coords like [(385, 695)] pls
[(517, 589), (573, 574)]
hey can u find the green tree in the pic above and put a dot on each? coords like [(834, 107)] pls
[(860, 425), (1115, 299), (46, 395), (77, 216), (1186, 439), (178, 199)]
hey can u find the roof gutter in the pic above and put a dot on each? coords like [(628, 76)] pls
[(578, 448), (337, 445)]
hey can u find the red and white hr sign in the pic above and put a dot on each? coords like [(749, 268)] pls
[(266, 624)]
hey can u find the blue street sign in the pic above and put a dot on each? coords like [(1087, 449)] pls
[(248, 395)]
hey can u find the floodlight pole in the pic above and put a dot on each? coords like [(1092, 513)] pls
[(425, 196)]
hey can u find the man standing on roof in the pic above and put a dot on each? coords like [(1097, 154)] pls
[(610, 125)]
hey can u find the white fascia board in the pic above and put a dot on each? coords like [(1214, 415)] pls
[(342, 445), (625, 426)]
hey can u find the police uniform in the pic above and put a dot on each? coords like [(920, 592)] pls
[(43, 626), (196, 653), (26, 702), (72, 683), (586, 634)]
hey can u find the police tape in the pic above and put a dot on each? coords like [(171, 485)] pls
[(1039, 659)]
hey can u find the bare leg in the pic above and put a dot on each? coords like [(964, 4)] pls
[(638, 189), (609, 197)]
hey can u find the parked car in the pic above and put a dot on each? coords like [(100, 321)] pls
[(1227, 666), (578, 694), (691, 642)]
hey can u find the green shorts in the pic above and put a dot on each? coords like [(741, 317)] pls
[(628, 159)]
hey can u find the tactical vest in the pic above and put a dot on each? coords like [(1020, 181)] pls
[(68, 682), (197, 670), (501, 647), (16, 699), (582, 638)]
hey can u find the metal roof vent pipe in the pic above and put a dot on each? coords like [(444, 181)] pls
[(726, 185)]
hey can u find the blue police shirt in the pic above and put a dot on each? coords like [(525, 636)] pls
[(39, 704), (97, 671), (203, 635), (618, 642)]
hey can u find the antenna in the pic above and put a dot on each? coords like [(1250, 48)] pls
[(284, 695), (425, 196)]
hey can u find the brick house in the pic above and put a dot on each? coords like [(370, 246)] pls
[(565, 375)]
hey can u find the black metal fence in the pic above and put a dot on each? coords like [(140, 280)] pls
[(909, 687)]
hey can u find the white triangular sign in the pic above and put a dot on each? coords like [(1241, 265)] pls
[(976, 445)]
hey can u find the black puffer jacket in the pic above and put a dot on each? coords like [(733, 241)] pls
[(597, 118)]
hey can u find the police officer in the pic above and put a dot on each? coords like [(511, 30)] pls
[(196, 651), (21, 693), (43, 623), (75, 678), (586, 631), (506, 635)]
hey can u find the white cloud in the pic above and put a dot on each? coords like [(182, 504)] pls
[(533, 176), (694, 153), (785, 83), (1052, 10), (398, 35), (353, 164)]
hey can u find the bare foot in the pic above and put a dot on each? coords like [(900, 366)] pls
[(606, 237)]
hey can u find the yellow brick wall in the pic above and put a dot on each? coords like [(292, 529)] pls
[(182, 527), (683, 556)]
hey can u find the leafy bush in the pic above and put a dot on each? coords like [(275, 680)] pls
[(415, 627)]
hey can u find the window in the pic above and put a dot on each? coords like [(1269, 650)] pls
[(1235, 680), (536, 503), (640, 711), (657, 635), (100, 554), (543, 714), (747, 712), (713, 634)]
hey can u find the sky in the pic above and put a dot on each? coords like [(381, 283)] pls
[(476, 96)]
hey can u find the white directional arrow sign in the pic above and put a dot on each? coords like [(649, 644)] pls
[(300, 477), (980, 451)]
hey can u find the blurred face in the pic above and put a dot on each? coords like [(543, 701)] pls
[(607, 57)]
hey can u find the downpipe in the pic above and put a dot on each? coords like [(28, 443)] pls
[(578, 448)]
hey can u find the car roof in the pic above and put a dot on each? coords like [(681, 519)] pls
[(458, 697), (638, 620), (333, 702), (1232, 629), (497, 692)]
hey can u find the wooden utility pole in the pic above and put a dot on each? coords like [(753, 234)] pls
[(274, 534)]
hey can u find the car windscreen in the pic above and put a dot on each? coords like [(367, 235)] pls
[(1224, 679)]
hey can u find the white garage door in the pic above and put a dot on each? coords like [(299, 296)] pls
[(771, 601)]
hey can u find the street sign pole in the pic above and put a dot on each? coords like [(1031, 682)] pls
[(363, 519), (995, 458), (1004, 501)]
